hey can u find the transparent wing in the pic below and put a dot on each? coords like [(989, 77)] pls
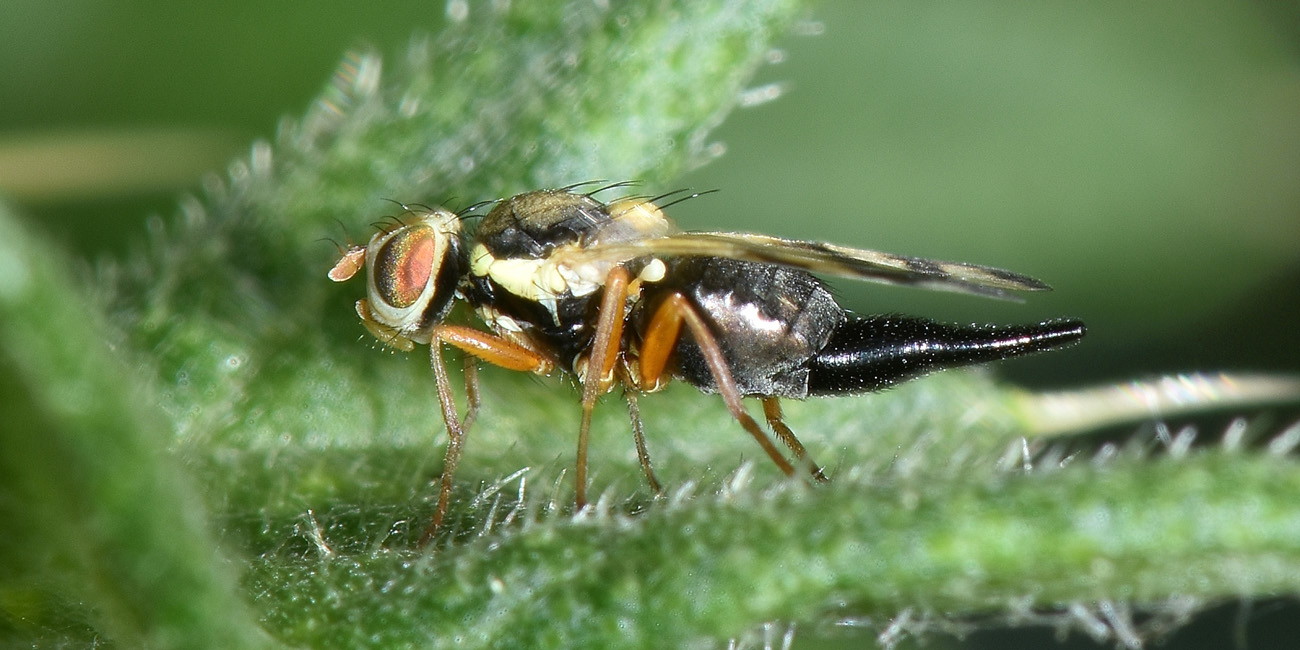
[(820, 257)]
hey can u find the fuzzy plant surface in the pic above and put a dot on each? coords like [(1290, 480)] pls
[(200, 450)]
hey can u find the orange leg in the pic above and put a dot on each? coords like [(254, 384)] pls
[(481, 345), (605, 346), (492, 349), (775, 419), (660, 339)]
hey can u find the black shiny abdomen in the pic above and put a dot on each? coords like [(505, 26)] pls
[(768, 319), (783, 334), (867, 354)]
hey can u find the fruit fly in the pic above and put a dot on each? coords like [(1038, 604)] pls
[(615, 295)]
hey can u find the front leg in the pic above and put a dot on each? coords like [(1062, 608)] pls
[(477, 345)]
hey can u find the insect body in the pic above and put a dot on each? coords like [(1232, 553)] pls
[(615, 295)]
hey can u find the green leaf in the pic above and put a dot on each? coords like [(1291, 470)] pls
[(869, 545), (102, 536)]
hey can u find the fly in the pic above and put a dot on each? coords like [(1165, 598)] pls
[(614, 294)]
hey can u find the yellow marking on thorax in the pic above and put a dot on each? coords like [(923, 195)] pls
[(542, 280), (533, 279), (545, 281)]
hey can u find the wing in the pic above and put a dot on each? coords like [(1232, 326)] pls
[(820, 257)]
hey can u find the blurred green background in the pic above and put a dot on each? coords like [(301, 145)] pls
[(1143, 158)]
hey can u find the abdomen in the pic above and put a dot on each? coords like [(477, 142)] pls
[(769, 320), (783, 334), (872, 353)]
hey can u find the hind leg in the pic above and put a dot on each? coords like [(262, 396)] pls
[(661, 338), (775, 419)]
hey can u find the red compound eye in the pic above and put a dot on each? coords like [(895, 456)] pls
[(404, 266)]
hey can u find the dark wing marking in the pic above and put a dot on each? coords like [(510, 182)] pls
[(820, 257)]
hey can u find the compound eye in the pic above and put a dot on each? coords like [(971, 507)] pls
[(404, 265)]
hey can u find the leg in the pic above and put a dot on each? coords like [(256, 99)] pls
[(638, 436), (476, 345), (493, 349), (775, 419), (473, 398), (661, 337), (605, 347), (455, 440)]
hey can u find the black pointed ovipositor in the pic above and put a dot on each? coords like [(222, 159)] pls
[(872, 353)]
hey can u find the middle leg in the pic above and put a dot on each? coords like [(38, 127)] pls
[(599, 373), (638, 437)]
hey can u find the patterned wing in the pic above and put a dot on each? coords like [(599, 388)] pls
[(820, 257)]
